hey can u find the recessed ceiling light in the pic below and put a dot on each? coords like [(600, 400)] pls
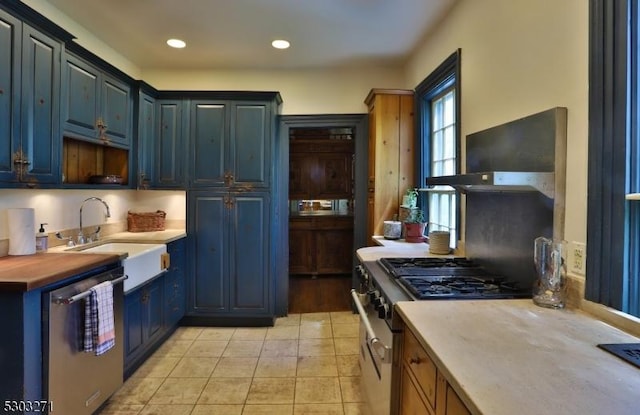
[(176, 43), (280, 44)]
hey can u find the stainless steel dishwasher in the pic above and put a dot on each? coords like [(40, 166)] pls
[(79, 382)]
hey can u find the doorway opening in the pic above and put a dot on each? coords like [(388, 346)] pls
[(326, 222)]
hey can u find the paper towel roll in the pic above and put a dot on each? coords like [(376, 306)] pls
[(22, 231)]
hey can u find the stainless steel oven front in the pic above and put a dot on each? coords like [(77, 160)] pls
[(375, 356)]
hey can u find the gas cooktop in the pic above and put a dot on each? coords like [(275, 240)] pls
[(450, 278)]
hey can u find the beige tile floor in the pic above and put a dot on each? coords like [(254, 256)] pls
[(305, 364)]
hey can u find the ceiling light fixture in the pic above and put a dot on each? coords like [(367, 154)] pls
[(280, 44), (176, 43)]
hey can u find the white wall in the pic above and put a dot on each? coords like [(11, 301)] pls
[(84, 37), (61, 208), (338, 91), (520, 57)]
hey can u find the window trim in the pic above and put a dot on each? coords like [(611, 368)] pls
[(606, 213), (446, 74)]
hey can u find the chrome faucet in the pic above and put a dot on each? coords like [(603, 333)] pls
[(82, 239)]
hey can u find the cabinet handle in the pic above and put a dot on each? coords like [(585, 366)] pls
[(228, 179), (414, 360), (145, 298)]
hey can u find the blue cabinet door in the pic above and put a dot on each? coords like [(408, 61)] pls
[(174, 288), (250, 144), (170, 151), (210, 136), (143, 321), (229, 235), (231, 143), (208, 236), (249, 276), (40, 115), (146, 139), (134, 338), (10, 74), (116, 110), (29, 104), (95, 106), (152, 306), (80, 97)]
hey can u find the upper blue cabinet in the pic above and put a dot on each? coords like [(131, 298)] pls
[(29, 104), (231, 143), (95, 106)]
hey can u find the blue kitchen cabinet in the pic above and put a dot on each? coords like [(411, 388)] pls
[(152, 311), (29, 104), (170, 146), (210, 136), (231, 241), (97, 107), (143, 310), (231, 143), (233, 221), (174, 284), (146, 128)]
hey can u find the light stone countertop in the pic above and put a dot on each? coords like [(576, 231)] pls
[(506, 357), (397, 248)]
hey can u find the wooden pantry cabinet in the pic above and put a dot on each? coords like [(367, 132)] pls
[(423, 387), (391, 154)]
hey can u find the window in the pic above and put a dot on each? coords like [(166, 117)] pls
[(613, 233), (437, 99)]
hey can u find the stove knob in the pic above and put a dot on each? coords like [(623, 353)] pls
[(383, 311), (378, 302), (373, 295)]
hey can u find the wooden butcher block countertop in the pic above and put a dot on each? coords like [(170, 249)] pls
[(28, 272)]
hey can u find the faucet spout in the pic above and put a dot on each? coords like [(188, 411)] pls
[(81, 237)]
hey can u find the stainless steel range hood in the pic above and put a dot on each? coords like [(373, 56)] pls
[(524, 155), (499, 181), (514, 185)]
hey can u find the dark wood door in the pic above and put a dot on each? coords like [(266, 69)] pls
[(301, 251)]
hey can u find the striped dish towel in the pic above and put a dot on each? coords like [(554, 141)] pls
[(99, 327)]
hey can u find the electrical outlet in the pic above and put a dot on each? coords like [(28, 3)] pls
[(578, 260)]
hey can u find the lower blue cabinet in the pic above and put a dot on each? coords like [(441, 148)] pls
[(153, 310), (174, 284)]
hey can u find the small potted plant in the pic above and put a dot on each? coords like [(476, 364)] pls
[(414, 226), (410, 199)]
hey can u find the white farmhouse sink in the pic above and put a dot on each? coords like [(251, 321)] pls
[(144, 261)]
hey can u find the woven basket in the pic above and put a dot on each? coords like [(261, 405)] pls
[(146, 221), (439, 242)]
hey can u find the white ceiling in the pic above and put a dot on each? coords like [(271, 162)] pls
[(237, 34)]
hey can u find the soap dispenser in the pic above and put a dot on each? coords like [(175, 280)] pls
[(42, 239)]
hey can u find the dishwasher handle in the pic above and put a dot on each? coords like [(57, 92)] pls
[(382, 350), (73, 299)]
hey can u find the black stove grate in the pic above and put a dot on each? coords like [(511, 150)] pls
[(462, 287), (451, 278), (442, 267)]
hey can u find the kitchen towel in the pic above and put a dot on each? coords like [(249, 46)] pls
[(22, 231), (99, 327)]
